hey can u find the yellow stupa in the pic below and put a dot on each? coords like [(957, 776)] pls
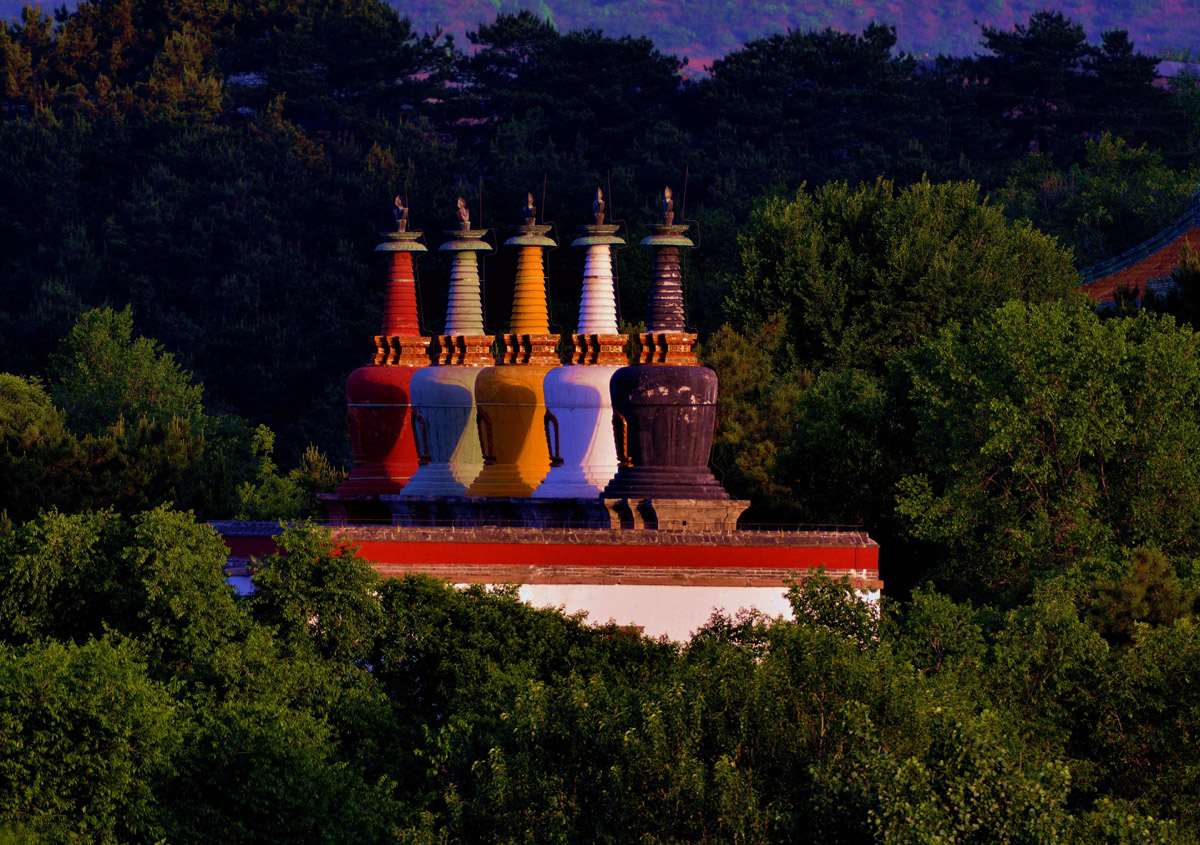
[(509, 396)]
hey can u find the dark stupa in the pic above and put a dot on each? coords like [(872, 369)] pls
[(664, 407)]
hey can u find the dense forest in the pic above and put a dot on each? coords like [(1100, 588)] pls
[(886, 281)]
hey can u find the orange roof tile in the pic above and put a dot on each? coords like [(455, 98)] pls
[(1156, 266)]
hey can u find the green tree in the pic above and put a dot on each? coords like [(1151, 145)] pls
[(1035, 82), (1112, 200), (88, 736), (293, 784), (34, 444), (833, 605), (103, 374), (1053, 436), (1148, 592), (1137, 724), (862, 273), (320, 596), (156, 576), (146, 440), (968, 784), (814, 105), (755, 413)]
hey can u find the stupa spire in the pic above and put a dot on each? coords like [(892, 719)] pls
[(462, 340), (666, 339), (399, 341), (528, 340), (464, 305), (530, 314), (598, 305)]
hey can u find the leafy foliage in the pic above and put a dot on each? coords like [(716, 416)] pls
[(87, 736), (104, 374), (862, 273), (1115, 197), (147, 438), (348, 707), (1054, 436)]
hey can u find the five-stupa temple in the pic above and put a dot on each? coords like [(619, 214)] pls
[(484, 459)]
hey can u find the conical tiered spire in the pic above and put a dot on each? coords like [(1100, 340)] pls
[(530, 314), (400, 342), (597, 339), (666, 340), (598, 306), (464, 307)]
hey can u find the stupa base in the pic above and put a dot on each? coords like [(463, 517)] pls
[(442, 479), (574, 482), (496, 511), (506, 480), (353, 509), (664, 482), (675, 514)]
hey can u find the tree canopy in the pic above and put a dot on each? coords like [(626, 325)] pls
[(407, 709), (862, 273)]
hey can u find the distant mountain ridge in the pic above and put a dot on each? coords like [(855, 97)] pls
[(706, 30)]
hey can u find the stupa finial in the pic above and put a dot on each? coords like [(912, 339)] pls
[(400, 212), (668, 207), (598, 207), (464, 216), (530, 211)]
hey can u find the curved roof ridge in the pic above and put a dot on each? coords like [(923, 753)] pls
[(1186, 221)]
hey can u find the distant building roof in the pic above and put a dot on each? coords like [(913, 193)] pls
[(1153, 271), (1149, 264)]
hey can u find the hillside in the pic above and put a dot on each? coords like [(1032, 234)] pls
[(705, 30)]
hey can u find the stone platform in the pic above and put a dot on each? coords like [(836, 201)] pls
[(665, 583), (496, 554), (523, 512)]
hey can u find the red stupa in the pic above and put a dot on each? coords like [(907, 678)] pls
[(379, 412)]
